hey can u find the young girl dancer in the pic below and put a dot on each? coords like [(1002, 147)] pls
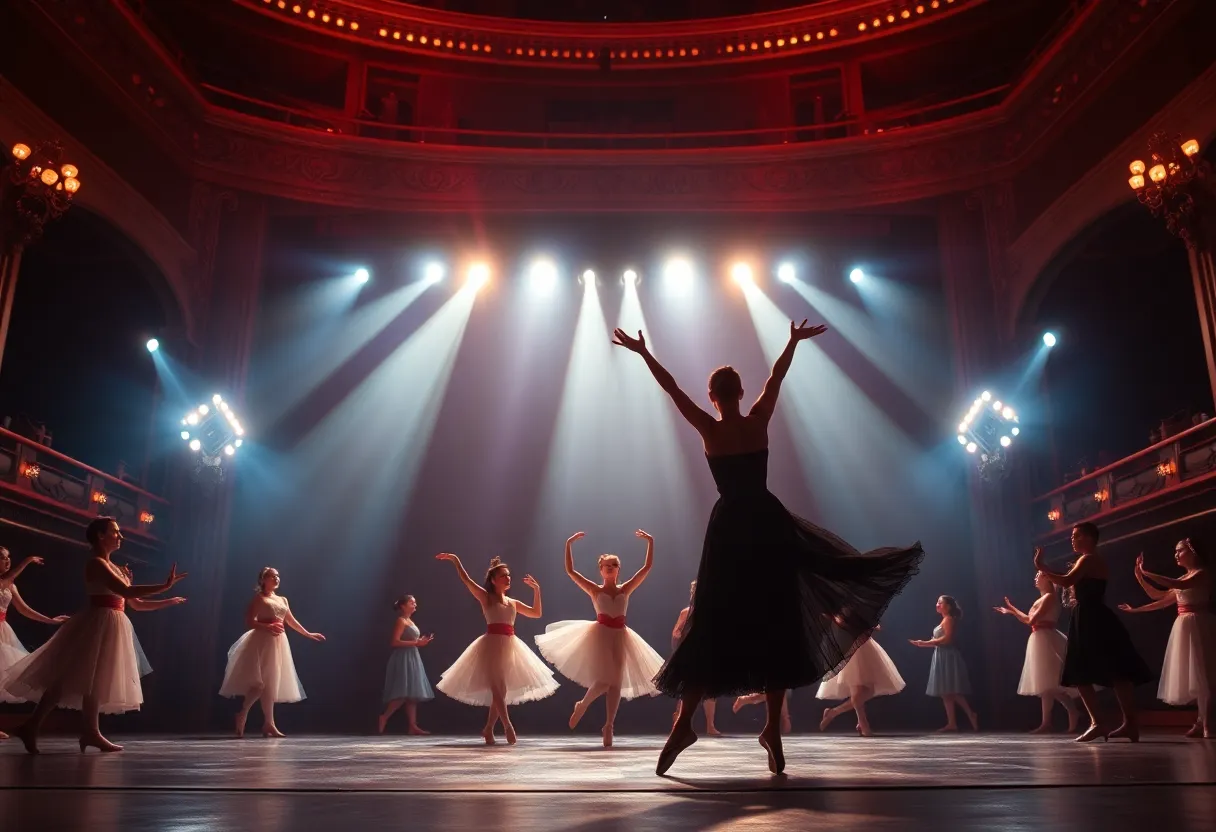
[(1189, 671), (1045, 651), (497, 669), (1100, 651), (948, 672), (710, 706), (90, 664), (11, 648), (868, 674), (405, 681), (260, 667), (604, 656)]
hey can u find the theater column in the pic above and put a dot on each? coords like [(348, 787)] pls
[(229, 230), (973, 235)]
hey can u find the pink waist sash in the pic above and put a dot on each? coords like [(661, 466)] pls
[(1184, 609), (500, 629), (110, 602), (616, 622)]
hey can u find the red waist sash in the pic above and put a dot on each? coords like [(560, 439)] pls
[(3, 615), (500, 629), (616, 622), (1183, 609), (111, 602), (1034, 628)]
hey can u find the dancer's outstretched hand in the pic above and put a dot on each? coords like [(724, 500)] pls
[(316, 637), (34, 560), (530, 581), (801, 332), (448, 556), (644, 535), (1126, 608), (175, 601), (1038, 557), (174, 577), (632, 344), (574, 537), (915, 642), (1140, 564), (59, 619)]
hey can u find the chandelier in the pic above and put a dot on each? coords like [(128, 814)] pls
[(1176, 173), (42, 186)]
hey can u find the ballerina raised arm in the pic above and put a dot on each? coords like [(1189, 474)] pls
[(1010, 609), (534, 611), (1079, 570), (1156, 593), (583, 583), (767, 403), (471, 585), (694, 415), (633, 583)]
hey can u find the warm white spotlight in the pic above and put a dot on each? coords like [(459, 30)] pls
[(1049, 339), (786, 273), (1007, 413), (543, 277), (218, 399), (229, 450), (986, 396), (678, 275), (186, 435), (478, 276), (963, 425), (433, 272), (203, 410), (362, 275), (962, 440), (630, 277), (192, 418), (857, 275), (1015, 431), (195, 445), (742, 273), (588, 277), (1006, 441), (997, 406), (153, 345), (972, 447)]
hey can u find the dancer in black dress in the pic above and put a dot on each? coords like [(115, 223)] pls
[(780, 602), (1100, 652)]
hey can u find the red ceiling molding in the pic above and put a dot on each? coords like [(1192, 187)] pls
[(798, 31)]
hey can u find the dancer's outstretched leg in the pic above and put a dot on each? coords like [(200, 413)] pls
[(682, 734), (593, 693)]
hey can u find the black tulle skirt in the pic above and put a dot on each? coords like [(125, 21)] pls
[(780, 603), (1100, 650)]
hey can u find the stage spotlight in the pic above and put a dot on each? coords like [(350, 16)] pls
[(989, 431), (962, 440), (1049, 339), (153, 345), (857, 275), (195, 445), (588, 278), (986, 396), (742, 273), (972, 447), (786, 272), (678, 276), (543, 277), (630, 277), (478, 276), (362, 275), (432, 273), (215, 430), (1006, 441)]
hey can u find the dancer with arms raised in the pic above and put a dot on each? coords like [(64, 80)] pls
[(808, 599)]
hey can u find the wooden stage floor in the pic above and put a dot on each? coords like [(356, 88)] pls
[(835, 781)]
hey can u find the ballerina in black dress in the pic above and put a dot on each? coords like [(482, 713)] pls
[(780, 602), (1100, 652)]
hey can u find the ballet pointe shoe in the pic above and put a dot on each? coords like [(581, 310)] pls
[(975, 720), (1195, 731), (99, 742), (676, 743), (737, 705), (29, 738), (381, 722), (826, 719), (240, 725), (488, 736), (1094, 732), (580, 708), (771, 743), (1125, 731), (509, 730), (272, 732), (606, 734), (787, 725)]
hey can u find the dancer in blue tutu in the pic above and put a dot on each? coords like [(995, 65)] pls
[(780, 602), (948, 673), (405, 682)]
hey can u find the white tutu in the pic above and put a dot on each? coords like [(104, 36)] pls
[(260, 661), (11, 652), (1045, 651), (589, 653), (498, 659), (92, 653), (870, 667), (1189, 657)]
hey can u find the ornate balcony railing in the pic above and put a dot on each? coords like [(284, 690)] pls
[(49, 493), (1178, 468), (335, 122)]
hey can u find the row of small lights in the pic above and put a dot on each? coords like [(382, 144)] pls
[(33, 471), (1164, 469), (741, 47)]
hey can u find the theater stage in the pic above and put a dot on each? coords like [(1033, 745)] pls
[(835, 781)]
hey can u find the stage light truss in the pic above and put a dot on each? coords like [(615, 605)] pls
[(213, 430), (987, 432)]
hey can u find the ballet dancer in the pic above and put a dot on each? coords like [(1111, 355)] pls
[(260, 667), (90, 663), (497, 669), (710, 706), (948, 672), (405, 681), (1100, 652), (1188, 673), (11, 648), (767, 579), (1045, 650), (605, 656), (868, 674)]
